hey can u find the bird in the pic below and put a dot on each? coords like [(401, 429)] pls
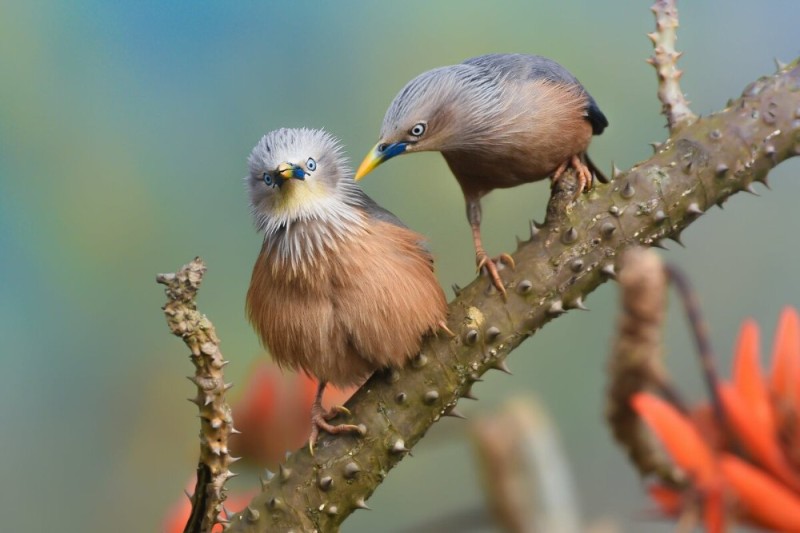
[(341, 287), (499, 120)]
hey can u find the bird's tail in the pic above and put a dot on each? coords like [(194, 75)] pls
[(594, 170)]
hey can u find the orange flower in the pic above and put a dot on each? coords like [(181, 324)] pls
[(766, 501), (753, 474), (690, 451), (683, 442), (274, 413)]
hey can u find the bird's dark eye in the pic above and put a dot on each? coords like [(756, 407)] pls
[(268, 179), (418, 129), (311, 165)]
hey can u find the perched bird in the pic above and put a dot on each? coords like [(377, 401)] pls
[(499, 120), (341, 287)]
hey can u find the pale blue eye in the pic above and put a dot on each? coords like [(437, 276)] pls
[(311, 165), (267, 179), (418, 129)]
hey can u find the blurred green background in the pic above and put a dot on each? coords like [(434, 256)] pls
[(124, 129)]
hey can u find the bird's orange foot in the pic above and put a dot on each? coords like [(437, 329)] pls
[(584, 175), (319, 421), (490, 265)]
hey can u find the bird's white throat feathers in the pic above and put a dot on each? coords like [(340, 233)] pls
[(308, 219)]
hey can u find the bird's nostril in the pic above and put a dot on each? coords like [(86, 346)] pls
[(381, 147)]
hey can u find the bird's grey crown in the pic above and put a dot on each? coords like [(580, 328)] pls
[(457, 86), (474, 90), (295, 145), (300, 229), (524, 66)]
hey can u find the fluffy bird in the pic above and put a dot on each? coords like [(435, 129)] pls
[(341, 287), (499, 120)]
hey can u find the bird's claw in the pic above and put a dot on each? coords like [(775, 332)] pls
[(485, 262), (319, 421), (337, 410), (507, 260), (582, 173), (585, 176)]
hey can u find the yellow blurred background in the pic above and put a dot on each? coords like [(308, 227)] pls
[(124, 130)]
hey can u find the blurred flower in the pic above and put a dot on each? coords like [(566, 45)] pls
[(745, 467), (274, 413)]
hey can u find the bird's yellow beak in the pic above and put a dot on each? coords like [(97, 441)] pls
[(380, 152), (288, 171)]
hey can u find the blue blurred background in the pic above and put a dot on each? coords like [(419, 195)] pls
[(124, 129)]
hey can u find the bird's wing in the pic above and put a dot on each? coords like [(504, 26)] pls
[(531, 67), (524, 66), (376, 212)]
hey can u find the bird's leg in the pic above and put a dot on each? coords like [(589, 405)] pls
[(320, 417), (582, 172), (585, 177), (490, 264), (481, 259)]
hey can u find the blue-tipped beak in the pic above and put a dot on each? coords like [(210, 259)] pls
[(379, 154), (288, 171)]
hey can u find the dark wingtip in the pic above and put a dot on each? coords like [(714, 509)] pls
[(596, 117)]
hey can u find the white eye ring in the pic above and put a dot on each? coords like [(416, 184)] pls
[(311, 165), (267, 179), (418, 130)]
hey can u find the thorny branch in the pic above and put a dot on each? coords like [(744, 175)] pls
[(636, 357), (216, 423), (664, 60)]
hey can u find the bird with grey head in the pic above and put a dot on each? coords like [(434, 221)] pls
[(499, 120), (341, 286)]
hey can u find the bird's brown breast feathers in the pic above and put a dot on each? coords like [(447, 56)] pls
[(543, 125), (364, 305)]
